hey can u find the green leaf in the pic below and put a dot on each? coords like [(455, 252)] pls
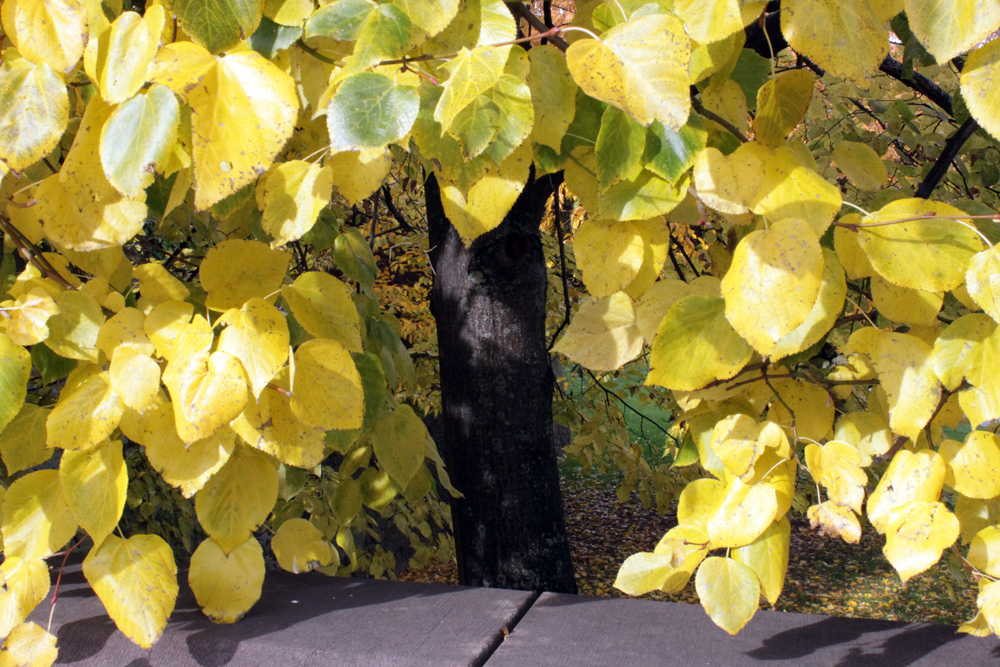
[(218, 25), (781, 105), (646, 196), (398, 440), (476, 125), (429, 16), (354, 258), (136, 579), (471, 73), (369, 111), (639, 66), (34, 110), (729, 591), (671, 153), (619, 149), (340, 20), (695, 345), (137, 139), (238, 498)]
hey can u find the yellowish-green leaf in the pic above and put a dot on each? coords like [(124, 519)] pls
[(661, 295), (982, 281), (847, 39), (860, 164), (22, 443), (157, 285), (323, 306), (269, 425), (779, 272), (789, 188), (833, 520), (828, 307), (708, 21), (291, 197), (430, 16), (903, 304), (928, 254), (910, 477), (767, 556), (620, 145), (186, 466), (398, 441), (238, 498), (36, 520), (781, 104), (94, 484), (326, 391), (29, 645), (609, 255), (243, 111), (15, 369), (136, 579), (370, 110), (23, 584), (137, 139), (948, 28), (726, 99), (729, 591), (471, 73), (85, 415), (904, 367), (973, 466), (837, 467), (235, 271), (695, 345), (643, 197), (257, 335), (603, 335), (118, 61), (218, 25), (299, 546), (553, 95), (227, 585), (640, 66), (916, 534), (53, 32), (34, 110)]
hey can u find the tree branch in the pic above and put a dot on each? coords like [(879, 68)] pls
[(520, 11), (943, 163)]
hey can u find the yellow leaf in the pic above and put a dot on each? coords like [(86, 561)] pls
[(902, 304), (211, 389), (727, 100), (227, 585), (53, 32), (73, 331), (238, 498), (327, 391), (28, 316), (837, 466), (553, 95), (603, 335), (973, 466), (644, 572), (609, 255), (655, 235), (186, 466), (910, 477), (257, 335), (357, 174), (482, 205), (916, 534), (767, 556), (948, 28), (164, 324), (984, 551), (157, 285), (135, 377), (982, 281), (85, 415), (124, 329), (867, 431), (833, 520), (688, 546), (812, 409), (22, 443), (778, 272), (904, 367), (781, 104), (36, 520), (398, 440), (291, 197), (964, 348), (23, 585), (828, 307), (661, 295), (988, 602), (708, 21), (718, 182), (323, 306), (743, 515), (737, 441), (847, 39), (976, 515), (243, 112), (35, 111), (136, 579), (300, 547), (790, 188), (695, 345), (235, 271), (849, 252), (94, 484), (729, 591), (978, 82), (860, 164), (927, 254), (698, 501), (118, 60), (269, 425), (29, 645), (640, 66)]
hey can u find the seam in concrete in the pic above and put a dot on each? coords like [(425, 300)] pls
[(501, 634)]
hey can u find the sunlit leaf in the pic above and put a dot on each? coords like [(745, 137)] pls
[(973, 465), (119, 59), (23, 584), (37, 522), (982, 281), (603, 334), (837, 467), (94, 484), (227, 585), (947, 28), (910, 477), (833, 520), (85, 415), (323, 306), (29, 645), (299, 547), (608, 254), (257, 335), (53, 32), (729, 591), (238, 498), (916, 534), (137, 139), (235, 271), (768, 557), (369, 110), (326, 391), (186, 466), (34, 110)]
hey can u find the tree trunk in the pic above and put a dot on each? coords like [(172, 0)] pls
[(496, 396)]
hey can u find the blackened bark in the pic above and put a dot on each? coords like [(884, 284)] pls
[(496, 396)]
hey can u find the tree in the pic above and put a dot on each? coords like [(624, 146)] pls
[(160, 169)]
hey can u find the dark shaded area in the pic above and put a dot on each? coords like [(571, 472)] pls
[(496, 396)]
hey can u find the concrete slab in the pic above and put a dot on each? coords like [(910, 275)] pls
[(561, 630), (306, 619)]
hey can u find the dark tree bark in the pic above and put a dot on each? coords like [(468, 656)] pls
[(496, 396)]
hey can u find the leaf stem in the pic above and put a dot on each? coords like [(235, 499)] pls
[(854, 227)]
